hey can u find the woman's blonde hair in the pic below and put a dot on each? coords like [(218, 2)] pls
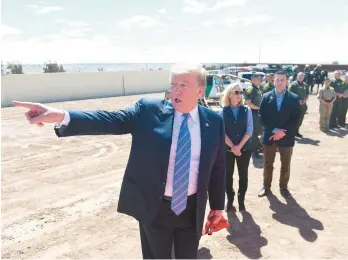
[(225, 98)]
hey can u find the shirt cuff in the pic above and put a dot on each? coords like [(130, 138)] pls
[(65, 120), (275, 130)]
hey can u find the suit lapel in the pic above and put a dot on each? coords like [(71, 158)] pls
[(166, 118), (205, 126), (273, 100)]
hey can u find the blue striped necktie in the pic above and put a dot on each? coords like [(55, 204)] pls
[(181, 168)]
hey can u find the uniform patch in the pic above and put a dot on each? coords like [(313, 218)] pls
[(250, 90)]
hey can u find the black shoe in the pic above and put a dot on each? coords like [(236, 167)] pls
[(241, 206), (285, 193), (299, 135), (264, 192)]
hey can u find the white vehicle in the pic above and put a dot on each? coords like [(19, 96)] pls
[(234, 70), (210, 72), (216, 83)]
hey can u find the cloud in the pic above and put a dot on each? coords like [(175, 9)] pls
[(220, 4), (72, 23), (75, 28), (9, 31), (162, 11), (60, 48), (77, 23), (194, 6), (208, 23), (198, 7), (234, 21), (45, 9), (140, 21)]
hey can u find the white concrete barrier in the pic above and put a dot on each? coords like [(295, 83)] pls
[(149, 81), (55, 87)]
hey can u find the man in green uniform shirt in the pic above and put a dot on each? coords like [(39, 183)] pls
[(338, 85), (253, 98), (343, 113), (300, 88), (295, 72), (269, 86), (265, 81)]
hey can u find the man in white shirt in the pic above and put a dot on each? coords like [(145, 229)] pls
[(176, 162)]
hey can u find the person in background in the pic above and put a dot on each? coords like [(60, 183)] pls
[(327, 97), (343, 113), (264, 81), (269, 86), (338, 85), (300, 88), (238, 128), (176, 162), (253, 98), (295, 72), (279, 113)]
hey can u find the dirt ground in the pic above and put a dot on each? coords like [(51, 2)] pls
[(59, 196)]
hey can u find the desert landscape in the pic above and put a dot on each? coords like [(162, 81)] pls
[(59, 196)]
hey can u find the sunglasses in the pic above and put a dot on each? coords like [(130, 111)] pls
[(237, 92)]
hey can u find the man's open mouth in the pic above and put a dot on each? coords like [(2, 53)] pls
[(177, 100)]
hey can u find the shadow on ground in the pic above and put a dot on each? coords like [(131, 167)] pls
[(292, 214), (338, 132), (306, 140), (258, 161), (246, 235), (204, 253)]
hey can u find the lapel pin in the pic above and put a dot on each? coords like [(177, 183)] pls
[(206, 124)]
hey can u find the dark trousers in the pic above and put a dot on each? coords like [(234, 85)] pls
[(343, 112), (302, 114), (269, 152), (256, 129), (336, 108), (242, 165), (157, 238)]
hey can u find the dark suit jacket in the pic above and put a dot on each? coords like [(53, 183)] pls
[(150, 121), (287, 117)]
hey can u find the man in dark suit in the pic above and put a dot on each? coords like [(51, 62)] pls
[(177, 160), (279, 113)]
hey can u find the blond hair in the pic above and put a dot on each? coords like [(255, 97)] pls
[(225, 98), (189, 67)]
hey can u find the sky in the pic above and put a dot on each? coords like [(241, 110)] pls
[(207, 31)]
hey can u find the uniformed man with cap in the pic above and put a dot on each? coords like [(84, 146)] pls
[(307, 71), (300, 88), (338, 86), (327, 97), (269, 86), (253, 98), (295, 72), (343, 113)]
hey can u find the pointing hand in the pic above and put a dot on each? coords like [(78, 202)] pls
[(39, 113)]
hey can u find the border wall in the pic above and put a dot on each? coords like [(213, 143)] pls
[(56, 87)]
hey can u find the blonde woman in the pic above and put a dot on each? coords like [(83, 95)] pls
[(238, 128)]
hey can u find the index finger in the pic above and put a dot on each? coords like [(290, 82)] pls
[(24, 104)]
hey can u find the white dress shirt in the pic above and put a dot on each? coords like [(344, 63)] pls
[(65, 120), (195, 133)]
